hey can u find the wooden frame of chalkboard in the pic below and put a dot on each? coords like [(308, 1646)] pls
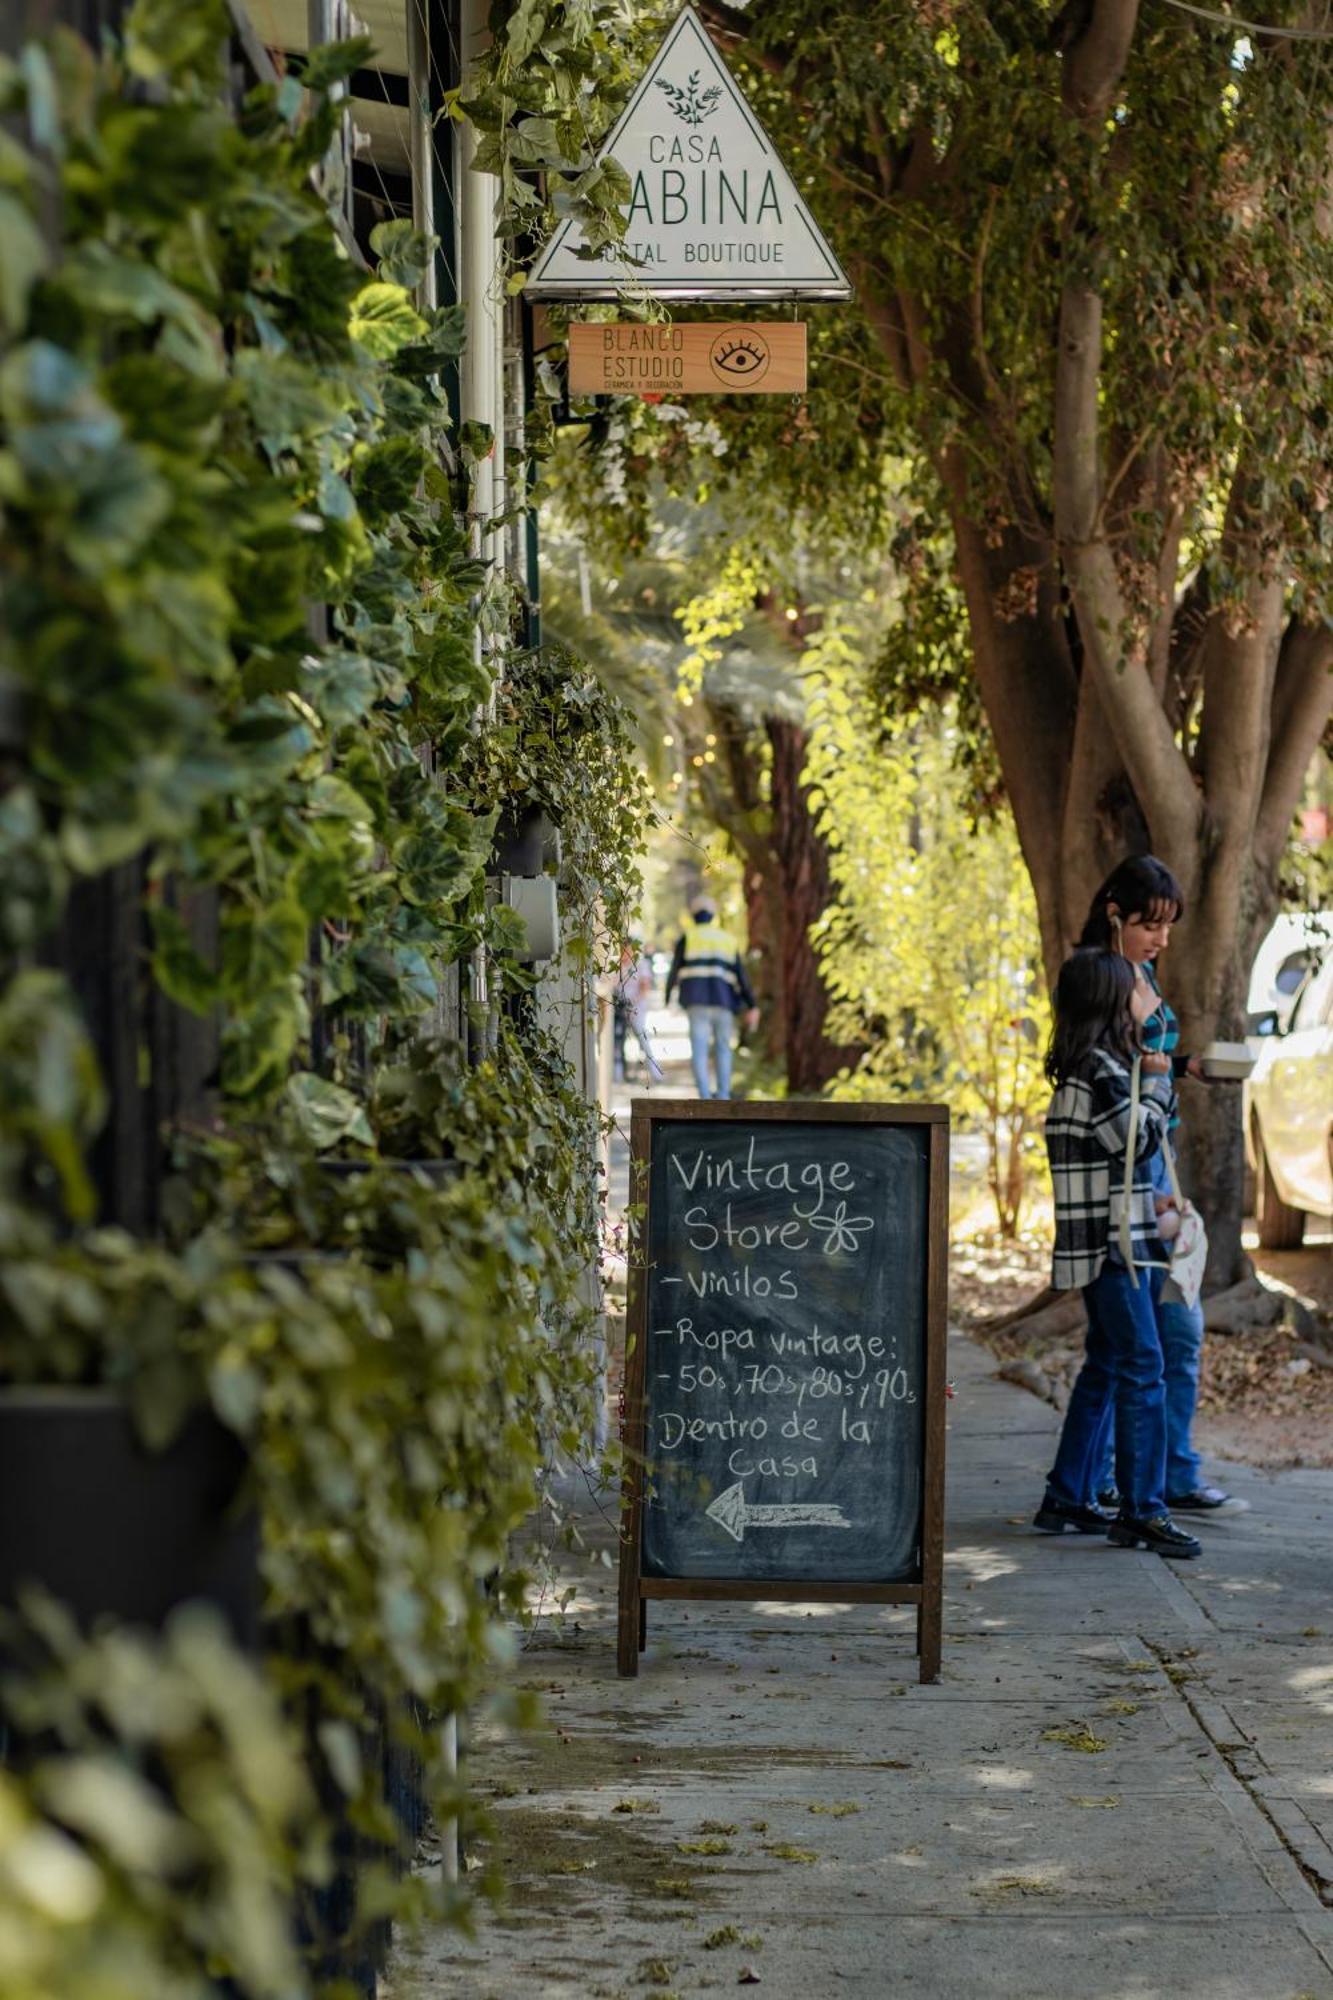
[(917, 1575)]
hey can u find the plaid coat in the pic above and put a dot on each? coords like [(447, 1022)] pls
[(1087, 1131)]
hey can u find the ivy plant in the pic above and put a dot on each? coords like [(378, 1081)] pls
[(238, 610)]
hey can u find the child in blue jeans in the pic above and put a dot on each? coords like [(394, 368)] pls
[(1132, 914), (1108, 1245)]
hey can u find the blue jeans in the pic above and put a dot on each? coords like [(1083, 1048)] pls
[(710, 1031), (1122, 1367), (1180, 1328)]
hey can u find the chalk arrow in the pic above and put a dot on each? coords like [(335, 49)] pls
[(731, 1511)]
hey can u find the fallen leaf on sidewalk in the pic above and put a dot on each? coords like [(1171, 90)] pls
[(704, 1847), (1015, 1885), (717, 1939), (1123, 1707), (784, 1851), (1106, 1802), (1076, 1736)]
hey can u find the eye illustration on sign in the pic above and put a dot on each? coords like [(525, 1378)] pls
[(737, 357)]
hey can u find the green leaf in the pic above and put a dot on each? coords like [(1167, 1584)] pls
[(177, 966), (176, 38), (338, 1741), (43, 106), (258, 1046), (333, 62), (385, 477), (23, 258), (325, 1113), (384, 319), (123, 502), (477, 440), (91, 845), (261, 948), (403, 254), (526, 27), (163, 1392), (444, 342), (116, 1810), (112, 286), (287, 401)]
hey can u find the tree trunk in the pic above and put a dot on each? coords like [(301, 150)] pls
[(737, 805), (802, 859), (766, 924), (1211, 1152)]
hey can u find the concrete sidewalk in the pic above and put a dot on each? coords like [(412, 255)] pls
[(1122, 1787)]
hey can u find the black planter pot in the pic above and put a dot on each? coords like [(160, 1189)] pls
[(524, 842), (113, 1529)]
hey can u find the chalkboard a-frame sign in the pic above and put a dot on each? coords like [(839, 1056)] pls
[(785, 1369)]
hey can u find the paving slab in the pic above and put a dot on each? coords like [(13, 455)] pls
[(1121, 1788), (1027, 1957)]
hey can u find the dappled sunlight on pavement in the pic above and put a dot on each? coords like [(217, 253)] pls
[(1121, 1789)]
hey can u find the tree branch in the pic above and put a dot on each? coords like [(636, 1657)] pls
[(1157, 770), (1095, 36), (729, 24), (1101, 816), (1302, 705), (1189, 629), (1238, 672)]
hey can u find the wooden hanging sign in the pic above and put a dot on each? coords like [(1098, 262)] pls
[(687, 358)]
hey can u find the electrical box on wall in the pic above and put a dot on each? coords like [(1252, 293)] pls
[(533, 898)]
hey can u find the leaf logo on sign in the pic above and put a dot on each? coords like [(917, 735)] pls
[(691, 105)]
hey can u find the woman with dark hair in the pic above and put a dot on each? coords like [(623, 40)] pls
[(1131, 915), (1106, 1124)]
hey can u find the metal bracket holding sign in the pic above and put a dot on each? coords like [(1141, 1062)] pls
[(785, 1369), (713, 212)]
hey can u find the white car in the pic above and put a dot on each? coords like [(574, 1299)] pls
[(1289, 1121)]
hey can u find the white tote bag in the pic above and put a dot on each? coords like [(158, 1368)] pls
[(1188, 1249)]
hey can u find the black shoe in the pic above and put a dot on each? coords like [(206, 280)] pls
[(1054, 1516), (1109, 1497), (1158, 1532), (1205, 1500)]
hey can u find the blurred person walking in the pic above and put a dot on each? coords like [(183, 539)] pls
[(706, 965), (633, 990)]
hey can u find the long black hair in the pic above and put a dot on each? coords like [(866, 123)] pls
[(1142, 886), (1092, 997)]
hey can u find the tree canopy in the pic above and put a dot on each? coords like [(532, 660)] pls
[(1083, 396)]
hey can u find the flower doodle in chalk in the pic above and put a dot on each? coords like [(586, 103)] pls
[(841, 1230), (691, 104)]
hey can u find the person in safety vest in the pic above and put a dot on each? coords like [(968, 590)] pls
[(706, 966)]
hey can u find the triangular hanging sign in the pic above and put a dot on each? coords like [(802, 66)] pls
[(714, 214)]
